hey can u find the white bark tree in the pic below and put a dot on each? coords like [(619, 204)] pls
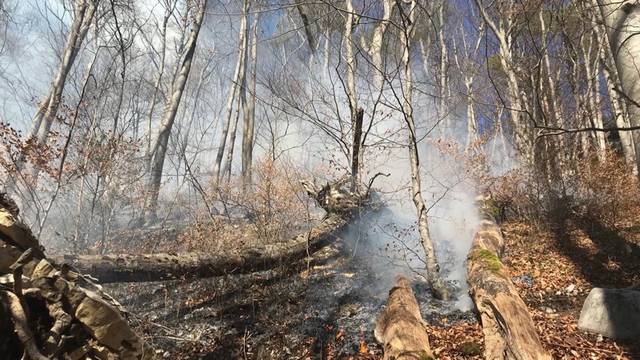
[(432, 268), (234, 91), (622, 20)]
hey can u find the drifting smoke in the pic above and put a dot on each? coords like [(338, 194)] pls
[(390, 237)]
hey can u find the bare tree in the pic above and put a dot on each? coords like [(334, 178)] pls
[(159, 149), (234, 91), (248, 132), (622, 20), (432, 267)]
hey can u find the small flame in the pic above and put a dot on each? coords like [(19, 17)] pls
[(363, 348)]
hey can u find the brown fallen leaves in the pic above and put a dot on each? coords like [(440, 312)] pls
[(564, 266)]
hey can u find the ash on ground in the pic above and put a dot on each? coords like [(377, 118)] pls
[(320, 308)]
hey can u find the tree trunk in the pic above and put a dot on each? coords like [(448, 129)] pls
[(622, 20), (509, 331), (171, 108), (350, 61), (355, 150), (233, 93), (400, 328), (516, 102), (432, 267), (250, 113), (443, 73), (307, 26), (158, 83), (377, 40), (156, 267), (84, 11), (42, 121)]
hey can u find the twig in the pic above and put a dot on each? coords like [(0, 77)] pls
[(372, 180)]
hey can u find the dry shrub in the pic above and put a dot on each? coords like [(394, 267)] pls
[(606, 189), (270, 210), (14, 148), (276, 205), (469, 165)]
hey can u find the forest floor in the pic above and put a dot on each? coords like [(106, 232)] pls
[(555, 269), (325, 307)]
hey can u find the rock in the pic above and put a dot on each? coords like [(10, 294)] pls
[(470, 348), (614, 313), (570, 288)]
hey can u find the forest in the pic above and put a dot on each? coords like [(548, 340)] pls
[(320, 179)]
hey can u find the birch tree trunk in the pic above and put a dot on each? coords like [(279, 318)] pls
[(618, 105), (468, 72), (622, 20), (443, 74), (171, 108), (432, 267), (377, 39), (233, 93), (502, 31), (590, 53), (226, 169)]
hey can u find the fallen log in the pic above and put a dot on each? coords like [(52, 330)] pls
[(509, 331), (165, 266), (400, 327)]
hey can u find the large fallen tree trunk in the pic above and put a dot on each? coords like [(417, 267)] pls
[(163, 266), (509, 332), (400, 328), (339, 203), (49, 312)]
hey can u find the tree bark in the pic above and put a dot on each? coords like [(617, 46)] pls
[(443, 72), (622, 20), (355, 149), (350, 61), (509, 331), (400, 327), (157, 267), (171, 108)]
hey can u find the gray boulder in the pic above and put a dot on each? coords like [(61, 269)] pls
[(614, 313)]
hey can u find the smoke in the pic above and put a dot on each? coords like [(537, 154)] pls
[(297, 96), (389, 238)]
